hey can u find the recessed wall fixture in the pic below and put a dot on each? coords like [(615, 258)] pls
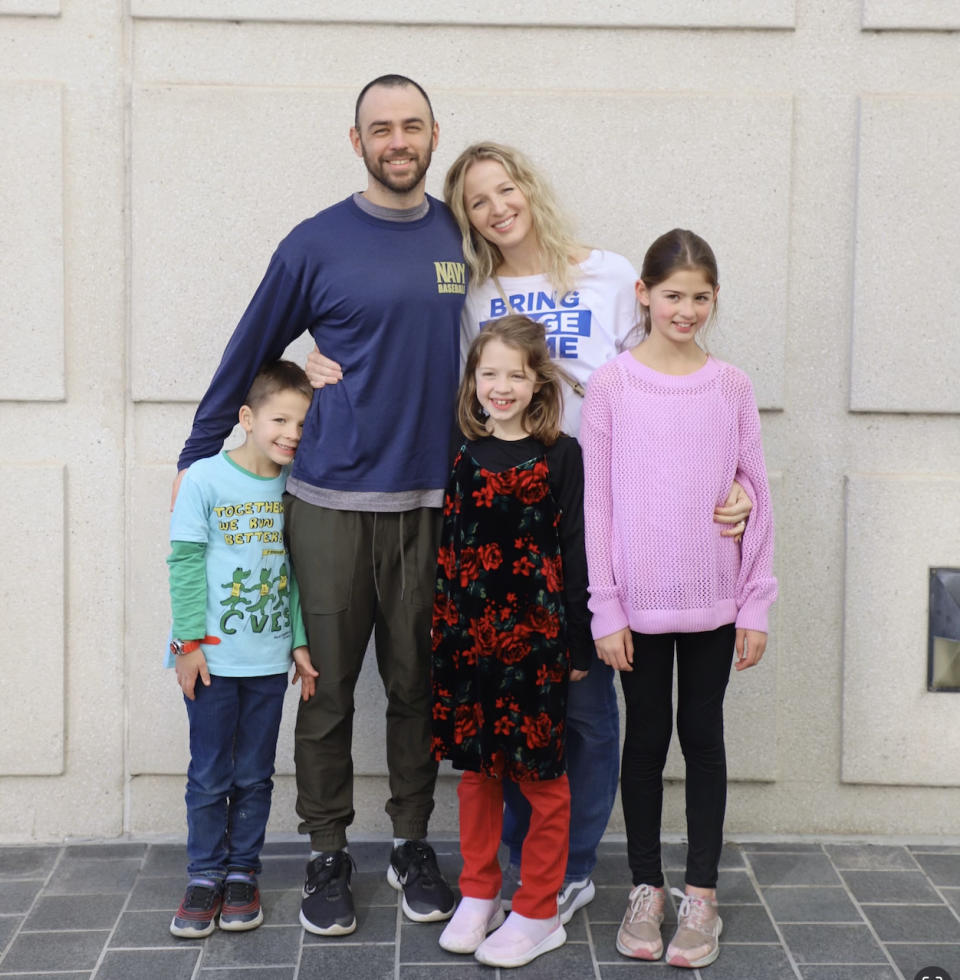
[(943, 630)]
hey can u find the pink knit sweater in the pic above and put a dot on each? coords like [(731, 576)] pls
[(660, 452)]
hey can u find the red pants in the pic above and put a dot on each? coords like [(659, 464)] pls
[(544, 849)]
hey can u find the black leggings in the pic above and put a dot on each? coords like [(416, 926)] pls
[(703, 669)]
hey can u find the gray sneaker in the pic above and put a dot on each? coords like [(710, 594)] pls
[(574, 895), (510, 882)]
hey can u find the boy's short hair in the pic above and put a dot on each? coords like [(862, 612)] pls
[(275, 377)]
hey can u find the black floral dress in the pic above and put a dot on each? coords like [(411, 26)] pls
[(500, 658)]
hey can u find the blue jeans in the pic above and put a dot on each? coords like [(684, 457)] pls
[(233, 741), (593, 766)]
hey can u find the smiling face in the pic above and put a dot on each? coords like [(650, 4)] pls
[(505, 387), (396, 136), (273, 431), (496, 206), (679, 306)]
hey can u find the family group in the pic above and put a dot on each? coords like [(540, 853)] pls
[(514, 462)]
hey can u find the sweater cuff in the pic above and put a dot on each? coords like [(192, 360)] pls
[(753, 616), (608, 617)]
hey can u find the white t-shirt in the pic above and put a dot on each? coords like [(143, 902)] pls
[(585, 327)]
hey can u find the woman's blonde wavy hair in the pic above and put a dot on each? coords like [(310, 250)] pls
[(557, 244), (543, 415)]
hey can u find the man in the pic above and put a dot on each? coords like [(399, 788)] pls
[(379, 281)]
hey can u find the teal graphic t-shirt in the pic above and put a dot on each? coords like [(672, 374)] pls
[(239, 516)]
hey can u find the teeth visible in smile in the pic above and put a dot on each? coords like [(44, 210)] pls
[(502, 225)]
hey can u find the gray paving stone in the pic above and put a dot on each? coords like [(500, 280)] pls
[(266, 946), (374, 925), (467, 969), (738, 962), (59, 975), (27, 862), (281, 908), (54, 951), (733, 888), (792, 869), (83, 876), (911, 957), (106, 851), (938, 848), (18, 896), (166, 859), (149, 964), (569, 961), (778, 847), (870, 857), (140, 929), (324, 962), (76, 912), (8, 926), (372, 888), (952, 895), (418, 944), (658, 970), (257, 973), (157, 893), (281, 872), (877, 972), (810, 904), (826, 943), (913, 923), (744, 924), (943, 869), (890, 886)]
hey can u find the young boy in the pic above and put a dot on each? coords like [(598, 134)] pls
[(236, 618)]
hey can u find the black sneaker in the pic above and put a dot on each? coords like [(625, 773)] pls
[(326, 908), (413, 870), (198, 910), (241, 902)]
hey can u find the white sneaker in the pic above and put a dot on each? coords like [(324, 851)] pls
[(521, 940), (474, 918)]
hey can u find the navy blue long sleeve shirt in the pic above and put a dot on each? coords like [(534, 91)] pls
[(383, 298)]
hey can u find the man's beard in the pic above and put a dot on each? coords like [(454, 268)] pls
[(398, 183)]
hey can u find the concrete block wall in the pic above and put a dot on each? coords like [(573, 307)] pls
[(156, 150)]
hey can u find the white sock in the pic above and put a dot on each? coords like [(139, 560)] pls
[(315, 854)]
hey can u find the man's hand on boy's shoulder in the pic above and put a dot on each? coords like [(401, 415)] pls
[(188, 666), (305, 672)]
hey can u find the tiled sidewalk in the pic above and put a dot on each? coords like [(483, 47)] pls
[(808, 910)]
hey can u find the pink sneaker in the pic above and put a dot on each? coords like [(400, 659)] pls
[(639, 935), (696, 942)]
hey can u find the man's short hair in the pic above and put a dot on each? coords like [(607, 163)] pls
[(389, 81), (274, 378)]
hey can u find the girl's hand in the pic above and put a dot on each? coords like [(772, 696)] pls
[(750, 647), (578, 675), (321, 370), (305, 672), (735, 511), (616, 649)]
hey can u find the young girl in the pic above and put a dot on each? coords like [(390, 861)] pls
[(510, 618), (665, 429)]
